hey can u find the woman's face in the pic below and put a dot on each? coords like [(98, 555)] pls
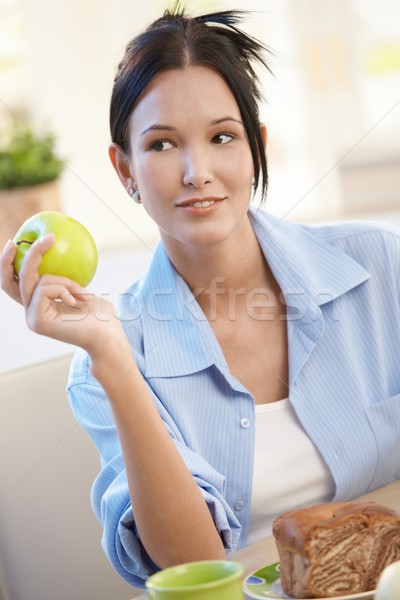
[(188, 146)]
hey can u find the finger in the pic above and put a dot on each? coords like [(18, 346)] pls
[(7, 276), (56, 290), (29, 276), (51, 303), (35, 253), (74, 288), (67, 294)]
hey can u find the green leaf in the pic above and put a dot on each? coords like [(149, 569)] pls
[(28, 159)]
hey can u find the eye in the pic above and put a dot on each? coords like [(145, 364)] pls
[(161, 145), (222, 138)]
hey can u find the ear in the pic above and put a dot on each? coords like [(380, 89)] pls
[(264, 133), (121, 164)]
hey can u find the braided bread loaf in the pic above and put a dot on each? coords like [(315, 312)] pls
[(335, 549)]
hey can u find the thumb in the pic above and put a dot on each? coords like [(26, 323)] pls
[(29, 275)]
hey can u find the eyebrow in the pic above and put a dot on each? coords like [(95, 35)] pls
[(158, 127), (162, 127), (227, 118)]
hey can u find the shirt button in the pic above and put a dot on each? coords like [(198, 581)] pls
[(244, 423), (239, 505)]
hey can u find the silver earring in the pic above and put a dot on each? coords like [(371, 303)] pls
[(135, 195)]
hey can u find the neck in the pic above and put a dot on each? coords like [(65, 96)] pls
[(226, 273)]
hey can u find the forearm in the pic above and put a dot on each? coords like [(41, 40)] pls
[(171, 515)]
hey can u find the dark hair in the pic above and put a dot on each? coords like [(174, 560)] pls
[(176, 40)]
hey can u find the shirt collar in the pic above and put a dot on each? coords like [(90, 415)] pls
[(172, 317), (310, 272), (306, 267)]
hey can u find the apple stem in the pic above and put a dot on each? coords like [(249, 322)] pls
[(24, 242)]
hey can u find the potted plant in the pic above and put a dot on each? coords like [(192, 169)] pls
[(29, 173)]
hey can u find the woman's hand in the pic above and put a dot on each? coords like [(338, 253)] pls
[(57, 307)]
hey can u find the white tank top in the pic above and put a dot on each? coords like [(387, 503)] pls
[(288, 473)]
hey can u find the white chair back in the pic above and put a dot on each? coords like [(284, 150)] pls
[(49, 536)]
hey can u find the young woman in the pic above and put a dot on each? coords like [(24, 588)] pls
[(254, 368)]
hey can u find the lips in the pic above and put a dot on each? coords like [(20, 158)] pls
[(199, 202)]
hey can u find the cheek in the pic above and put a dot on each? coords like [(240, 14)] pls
[(157, 174), (158, 184), (239, 161), (239, 173)]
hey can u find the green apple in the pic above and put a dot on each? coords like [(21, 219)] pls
[(388, 587), (73, 254)]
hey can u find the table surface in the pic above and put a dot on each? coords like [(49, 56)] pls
[(264, 552)]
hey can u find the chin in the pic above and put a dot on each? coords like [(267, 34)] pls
[(209, 238)]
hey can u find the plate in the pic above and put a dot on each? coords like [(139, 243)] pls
[(265, 583)]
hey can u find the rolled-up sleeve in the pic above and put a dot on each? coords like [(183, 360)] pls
[(110, 492)]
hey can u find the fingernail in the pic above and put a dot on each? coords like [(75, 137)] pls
[(46, 237)]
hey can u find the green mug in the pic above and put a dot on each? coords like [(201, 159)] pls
[(202, 580)]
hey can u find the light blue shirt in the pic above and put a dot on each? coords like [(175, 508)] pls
[(341, 284)]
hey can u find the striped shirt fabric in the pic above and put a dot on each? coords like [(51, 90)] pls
[(341, 284)]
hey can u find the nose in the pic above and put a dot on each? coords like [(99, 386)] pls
[(197, 169)]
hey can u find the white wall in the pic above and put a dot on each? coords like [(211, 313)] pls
[(322, 107), (71, 54), (333, 97)]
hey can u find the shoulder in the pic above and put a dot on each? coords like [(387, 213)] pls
[(365, 241), (335, 233), (354, 231), (358, 239), (347, 229)]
